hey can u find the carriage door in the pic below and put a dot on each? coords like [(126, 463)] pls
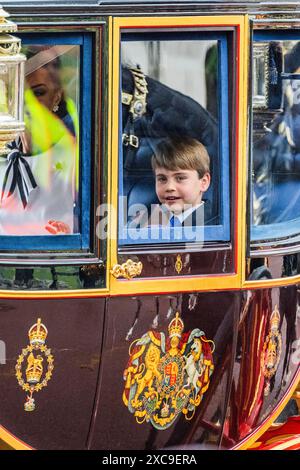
[(176, 230), (52, 280)]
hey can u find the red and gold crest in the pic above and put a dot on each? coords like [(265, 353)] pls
[(167, 376), (271, 350)]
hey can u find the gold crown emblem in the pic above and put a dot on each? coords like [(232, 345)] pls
[(176, 326), (275, 319), (38, 333), (34, 369)]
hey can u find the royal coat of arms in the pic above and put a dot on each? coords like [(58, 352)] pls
[(167, 376)]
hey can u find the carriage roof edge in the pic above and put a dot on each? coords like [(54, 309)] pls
[(85, 8), (75, 3)]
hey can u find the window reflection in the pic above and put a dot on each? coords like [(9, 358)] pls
[(39, 179), (182, 65), (260, 72), (276, 145)]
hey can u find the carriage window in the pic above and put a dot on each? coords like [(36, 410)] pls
[(43, 183), (276, 137), (173, 170)]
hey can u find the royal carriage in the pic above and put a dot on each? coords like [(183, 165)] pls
[(120, 336)]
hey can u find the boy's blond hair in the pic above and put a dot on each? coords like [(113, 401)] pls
[(181, 154)]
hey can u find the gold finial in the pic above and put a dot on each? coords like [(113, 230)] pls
[(5, 25), (275, 319)]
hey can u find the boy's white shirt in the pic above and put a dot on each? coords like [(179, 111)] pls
[(159, 210), (183, 215)]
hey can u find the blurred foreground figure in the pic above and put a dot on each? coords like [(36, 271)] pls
[(38, 178)]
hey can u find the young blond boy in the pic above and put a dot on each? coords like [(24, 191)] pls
[(182, 175)]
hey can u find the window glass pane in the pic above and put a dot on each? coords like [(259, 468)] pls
[(276, 139), (39, 179), (173, 100)]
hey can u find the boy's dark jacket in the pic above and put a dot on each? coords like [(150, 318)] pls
[(159, 217)]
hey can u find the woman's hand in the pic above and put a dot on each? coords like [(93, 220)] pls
[(56, 227)]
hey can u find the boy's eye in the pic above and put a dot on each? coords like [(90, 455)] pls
[(181, 178), (161, 179)]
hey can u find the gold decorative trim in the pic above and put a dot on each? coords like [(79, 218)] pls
[(178, 264), (127, 270), (296, 396), (263, 427), (13, 441), (34, 368), (271, 352)]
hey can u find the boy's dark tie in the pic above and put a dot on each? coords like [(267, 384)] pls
[(174, 221)]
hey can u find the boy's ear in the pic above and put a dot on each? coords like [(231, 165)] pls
[(205, 182)]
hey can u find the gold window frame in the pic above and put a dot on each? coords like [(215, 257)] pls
[(139, 285)]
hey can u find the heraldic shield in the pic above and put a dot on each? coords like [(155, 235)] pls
[(167, 376)]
